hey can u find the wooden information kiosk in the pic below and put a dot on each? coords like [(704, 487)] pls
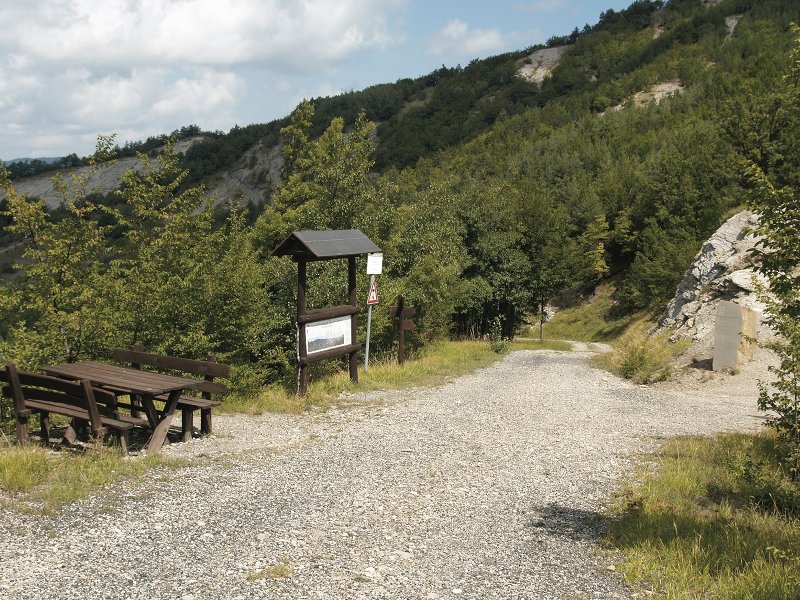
[(325, 332)]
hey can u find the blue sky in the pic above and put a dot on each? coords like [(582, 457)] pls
[(73, 69)]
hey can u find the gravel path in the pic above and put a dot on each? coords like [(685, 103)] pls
[(491, 486)]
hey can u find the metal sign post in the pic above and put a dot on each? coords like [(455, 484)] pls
[(374, 267)]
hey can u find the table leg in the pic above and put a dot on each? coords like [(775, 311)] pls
[(149, 409), (160, 431), (74, 431)]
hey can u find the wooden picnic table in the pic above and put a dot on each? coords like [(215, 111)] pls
[(144, 384)]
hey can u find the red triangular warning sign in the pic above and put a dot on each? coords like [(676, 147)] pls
[(373, 293)]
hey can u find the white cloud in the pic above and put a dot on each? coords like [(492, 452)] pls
[(457, 41), (144, 100), (287, 34), (71, 68), (207, 93)]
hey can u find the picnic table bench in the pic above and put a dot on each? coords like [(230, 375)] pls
[(208, 369), (33, 393), (146, 386)]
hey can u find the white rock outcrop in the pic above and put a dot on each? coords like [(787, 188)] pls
[(722, 270), (541, 63)]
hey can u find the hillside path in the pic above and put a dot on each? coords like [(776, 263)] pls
[(491, 486)]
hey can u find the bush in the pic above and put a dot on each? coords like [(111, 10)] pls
[(497, 342), (641, 357)]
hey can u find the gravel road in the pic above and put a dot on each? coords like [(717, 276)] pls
[(491, 486)]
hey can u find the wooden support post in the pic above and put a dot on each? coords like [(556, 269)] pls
[(206, 424), (351, 280), (22, 429), (187, 418), (21, 413), (44, 420), (401, 350), (302, 367), (136, 403)]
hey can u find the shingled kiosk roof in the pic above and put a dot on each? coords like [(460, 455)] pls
[(325, 244)]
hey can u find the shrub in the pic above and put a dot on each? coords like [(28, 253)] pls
[(641, 357), (497, 342)]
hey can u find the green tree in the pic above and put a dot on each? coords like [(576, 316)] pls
[(325, 182), (657, 268), (168, 251), (185, 285), (592, 248), (778, 204), (295, 139), (552, 255), (158, 272), (58, 309), (426, 255)]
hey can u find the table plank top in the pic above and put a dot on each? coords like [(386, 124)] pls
[(122, 378)]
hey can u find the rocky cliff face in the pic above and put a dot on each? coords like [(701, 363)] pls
[(104, 180), (257, 170), (722, 270), (541, 63)]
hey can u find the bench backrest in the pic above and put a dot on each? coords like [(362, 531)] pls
[(209, 369), (24, 386)]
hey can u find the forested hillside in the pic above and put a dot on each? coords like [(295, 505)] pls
[(489, 194)]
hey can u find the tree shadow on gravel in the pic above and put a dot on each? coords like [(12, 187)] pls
[(568, 522)]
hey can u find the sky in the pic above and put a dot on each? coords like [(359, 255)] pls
[(73, 69)]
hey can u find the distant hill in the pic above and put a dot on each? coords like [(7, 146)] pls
[(535, 114), (417, 117), (45, 159)]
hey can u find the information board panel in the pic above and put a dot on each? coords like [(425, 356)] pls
[(328, 334)]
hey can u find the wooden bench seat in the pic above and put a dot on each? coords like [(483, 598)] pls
[(33, 393), (208, 369)]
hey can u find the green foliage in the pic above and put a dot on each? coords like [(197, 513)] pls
[(159, 274), (324, 181), (657, 267), (497, 342), (59, 310), (641, 356), (592, 249), (717, 518), (776, 197)]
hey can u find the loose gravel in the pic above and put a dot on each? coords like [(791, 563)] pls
[(491, 486)]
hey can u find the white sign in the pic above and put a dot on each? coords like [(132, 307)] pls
[(375, 263), (328, 334)]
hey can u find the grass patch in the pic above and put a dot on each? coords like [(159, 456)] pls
[(278, 571), (592, 321), (434, 365), (41, 480), (719, 518), (639, 356)]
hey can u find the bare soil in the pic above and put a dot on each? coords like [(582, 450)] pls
[(694, 376)]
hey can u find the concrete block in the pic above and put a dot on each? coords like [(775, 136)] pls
[(734, 335)]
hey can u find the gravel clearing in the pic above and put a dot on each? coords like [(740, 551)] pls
[(491, 486)]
